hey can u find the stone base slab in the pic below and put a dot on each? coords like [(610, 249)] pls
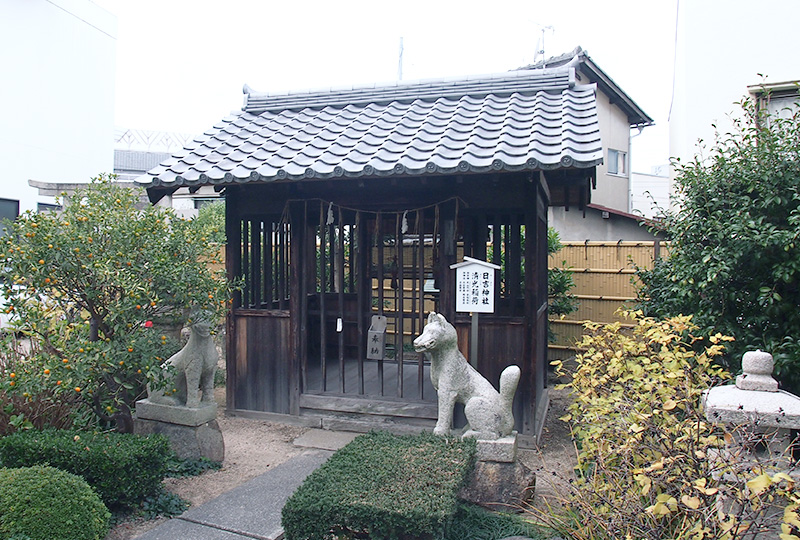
[(503, 450), (188, 442), (772, 409), (499, 486), (174, 414)]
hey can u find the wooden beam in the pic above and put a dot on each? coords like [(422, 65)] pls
[(369, 406)]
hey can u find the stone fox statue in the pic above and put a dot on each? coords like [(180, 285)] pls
[(194, 367), (488, 411)]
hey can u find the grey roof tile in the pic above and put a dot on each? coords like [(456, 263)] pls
[(524, 120)]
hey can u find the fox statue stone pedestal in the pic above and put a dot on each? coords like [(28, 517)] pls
[(187, 416), (498, 480)]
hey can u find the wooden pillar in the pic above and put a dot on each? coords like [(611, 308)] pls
[(296, 240), (233, 253)]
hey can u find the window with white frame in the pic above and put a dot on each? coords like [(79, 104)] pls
[(617, 162)]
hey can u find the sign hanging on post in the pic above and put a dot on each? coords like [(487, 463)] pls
[(475, 286), (376, 338)]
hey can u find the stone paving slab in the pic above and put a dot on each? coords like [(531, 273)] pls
[(252, 510), (325, 439), (177, 528)]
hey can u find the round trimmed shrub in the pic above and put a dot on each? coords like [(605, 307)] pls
[(45, 503)]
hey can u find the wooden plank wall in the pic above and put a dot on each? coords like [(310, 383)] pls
[(261, 373), (605, 280)]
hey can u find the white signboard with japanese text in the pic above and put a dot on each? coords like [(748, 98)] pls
[(475, 286)]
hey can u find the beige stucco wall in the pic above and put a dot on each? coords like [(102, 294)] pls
[(613, 191)]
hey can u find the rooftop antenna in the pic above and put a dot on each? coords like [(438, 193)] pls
[(400, 61), (539, 53)]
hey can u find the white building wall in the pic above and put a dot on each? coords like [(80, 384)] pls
[(57, 59), (649, 194), (722, 47)]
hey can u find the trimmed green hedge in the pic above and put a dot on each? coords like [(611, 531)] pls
[(123, 468), (45, 503), (382, 486)]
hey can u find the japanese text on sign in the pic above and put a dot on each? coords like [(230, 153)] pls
[(475, 287)]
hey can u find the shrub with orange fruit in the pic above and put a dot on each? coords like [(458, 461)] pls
[(89, 284)]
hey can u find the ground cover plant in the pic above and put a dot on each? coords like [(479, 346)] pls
[(650, 465), (476, 523), (382, 486), (89, 290), (734, 255), (45, 503)]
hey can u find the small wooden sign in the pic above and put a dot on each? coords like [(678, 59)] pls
[(475, 285), (376, 338)]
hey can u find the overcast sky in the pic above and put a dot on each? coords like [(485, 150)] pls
[(181, 64)]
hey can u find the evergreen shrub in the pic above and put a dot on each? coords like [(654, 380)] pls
[(734, 232), (382, 486), (45, 503), (123, 468)]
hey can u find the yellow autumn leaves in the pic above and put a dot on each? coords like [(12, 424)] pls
[(644, 443)]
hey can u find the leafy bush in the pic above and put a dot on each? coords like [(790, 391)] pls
[(163, 503), (734, 257), (178, 468), (34, 412), (210, 222), (29, 406), (45, 503), (408, 490), (650, 465), (89, 288), (123, 468)]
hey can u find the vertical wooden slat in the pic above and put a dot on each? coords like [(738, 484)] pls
[(351, 256), (279, 263), (497, 236), (255, 261), (379, 244), (340, 285), (331, 259), (399, 304), (480, 237), (276, 248), (513, 260), (363, 293), (248, 286), (269, 294), (447, 257), (421, 294), (285, 258), (323, 281), (276, 262), (469, 237)]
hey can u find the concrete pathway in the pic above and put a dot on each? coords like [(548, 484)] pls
[(253, 510)]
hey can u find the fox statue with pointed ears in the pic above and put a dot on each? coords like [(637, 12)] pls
[(489, 412)]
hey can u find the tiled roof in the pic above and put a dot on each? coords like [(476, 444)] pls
[(523, 120)]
